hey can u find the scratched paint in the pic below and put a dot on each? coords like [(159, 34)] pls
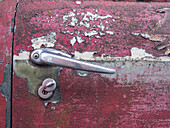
[(1, 61), (146, 71), (140, 103)]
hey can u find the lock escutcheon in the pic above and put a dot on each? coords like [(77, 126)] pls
[(47, 88)]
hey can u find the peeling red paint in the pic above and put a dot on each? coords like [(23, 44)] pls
[(93, 100), (135, 19), (93, 104), (6, 25), (96, 102), (5, 33), (2, 111)]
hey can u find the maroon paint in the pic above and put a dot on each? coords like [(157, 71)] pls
[(135, 19), (6, 24), (91, 101)]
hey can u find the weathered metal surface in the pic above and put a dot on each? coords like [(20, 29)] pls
[(5, 90), (104, 33), (7, 10), (162, 30), (35, 77), (74, 24)]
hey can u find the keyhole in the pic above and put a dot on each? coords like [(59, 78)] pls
[(44, 92)]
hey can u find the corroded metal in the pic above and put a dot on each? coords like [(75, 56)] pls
[(106, 32), (5, 90), (7, 23), (35, 75)]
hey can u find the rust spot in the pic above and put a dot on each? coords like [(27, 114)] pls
[(155, 22), (121, 16), (143, 12), (49, 12), (131, 23), (167, 52), (118, 5)]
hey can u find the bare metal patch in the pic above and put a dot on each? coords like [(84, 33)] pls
[(84, 56), (136, 54), (71, 19), (22, 56), (82, 73), (135, 34), (71, 33), (47, 40), (142, 71), (79, 39), (36, 74), (110, 32), (5, 91), (73, 41), (140, 66), (91, 33), (78, 2)]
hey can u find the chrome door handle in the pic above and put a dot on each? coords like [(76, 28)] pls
[(48, 56)]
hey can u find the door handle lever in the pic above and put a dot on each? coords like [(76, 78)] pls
[(48, 56)]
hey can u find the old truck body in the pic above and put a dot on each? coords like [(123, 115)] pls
[(132, 38)]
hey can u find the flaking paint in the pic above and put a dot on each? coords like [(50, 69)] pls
[(48, 40), (94, 100), (136, 54)]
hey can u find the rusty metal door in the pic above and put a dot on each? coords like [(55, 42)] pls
[(132, 38)]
